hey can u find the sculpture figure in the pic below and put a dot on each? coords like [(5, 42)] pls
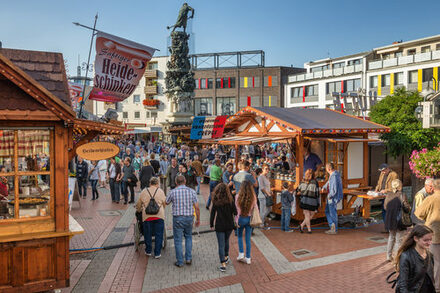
[(183, 17)]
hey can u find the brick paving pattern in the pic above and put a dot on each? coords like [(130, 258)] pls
[(347, 262)]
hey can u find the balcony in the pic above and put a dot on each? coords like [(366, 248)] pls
[(326, 73), (151, 73), (403, 60), (150, 90)]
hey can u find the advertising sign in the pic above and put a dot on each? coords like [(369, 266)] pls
[(119, 65), (96, 151), (207, 127), (75, 94)]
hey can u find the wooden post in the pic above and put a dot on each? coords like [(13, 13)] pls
[(236, 158), (299, 158)]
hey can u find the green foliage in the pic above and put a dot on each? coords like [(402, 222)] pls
[(397, 112)]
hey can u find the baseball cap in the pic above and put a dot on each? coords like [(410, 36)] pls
[(383, 167)]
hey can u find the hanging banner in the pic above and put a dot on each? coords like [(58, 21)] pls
[(207, 127), (75, 91), (119, 65)]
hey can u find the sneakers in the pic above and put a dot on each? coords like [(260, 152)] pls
[(248, 260), (157, 256), (227, 260), (188, 262), (222, 269), (288, 231), (240, 256), (147, 254), (332, 230), (178, 264)]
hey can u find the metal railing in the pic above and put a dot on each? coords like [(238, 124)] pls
[(326, 73)]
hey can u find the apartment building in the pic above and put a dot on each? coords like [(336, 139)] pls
[(229, 82), (412, 64)]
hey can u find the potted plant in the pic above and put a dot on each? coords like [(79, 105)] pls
[(151, 103)]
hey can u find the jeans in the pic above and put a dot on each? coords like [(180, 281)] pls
[(199, 180), (264, 210), (244, 224), (182, 227), (111, 183), (82, 187), (125, 187), (157, 226), (94, 183), (285, 219), (332, 214), (115, 190), (212, 185), (223, 244)]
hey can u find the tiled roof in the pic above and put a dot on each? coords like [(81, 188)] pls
[(47, 68)]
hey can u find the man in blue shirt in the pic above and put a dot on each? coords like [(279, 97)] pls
[(311, 161), (243, 175), (335, 195)]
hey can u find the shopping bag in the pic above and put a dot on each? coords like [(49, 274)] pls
[(255, 218)]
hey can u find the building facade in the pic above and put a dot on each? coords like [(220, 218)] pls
[(377, 73)]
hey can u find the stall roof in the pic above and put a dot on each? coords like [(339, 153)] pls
[(245, 140), (311, 120)]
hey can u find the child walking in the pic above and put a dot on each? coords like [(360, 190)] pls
[(286, 205)]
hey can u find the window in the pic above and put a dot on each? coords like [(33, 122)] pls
[(296, 92), (226, 106), (386, 80), (339, 65), (35, 166), (411, 52), (203, 107), (352, 85), (225, 82), (354, 62), (426, 49), (270, 101), (152, 65), (136, 98), (373, 81), (413, 76), (311, 90), (270, 81), (204, 83), (437, 47), (320, 68), (137, 115), (249, 82), (398, 54), (219, 83), (427, 74), (253, 101), (332, 87), (398, 78), (148, 114), (125, 115), (153, 115)]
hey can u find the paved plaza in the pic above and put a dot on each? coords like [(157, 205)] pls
[(352, 261)]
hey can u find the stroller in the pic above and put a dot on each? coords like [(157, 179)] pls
[(139, 232)]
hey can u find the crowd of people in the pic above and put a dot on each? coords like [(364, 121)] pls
[(170, 175)]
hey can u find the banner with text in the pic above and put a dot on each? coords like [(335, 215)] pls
[(207, 127), (119, 65)]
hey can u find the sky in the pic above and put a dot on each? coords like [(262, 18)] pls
[(291, 32)]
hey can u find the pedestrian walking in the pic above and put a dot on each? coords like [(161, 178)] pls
[(145, 175), (102, 166), (429, 211), (184, 203), (153, 224), (154, 163), (94, 176), (264, 192), (222, 221), (137, 163), (127, 180), (414, 262), (245, 202), (215, 177), (114, 174), (309, 199), (286, 206), (82, 173), (393, 205), (196, 165), (190, 177), (171, 174), (335, 194)]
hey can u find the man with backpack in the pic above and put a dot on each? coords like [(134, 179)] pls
[(335, 195), (152, 205)]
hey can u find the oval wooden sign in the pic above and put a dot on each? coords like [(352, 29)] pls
[(96, 151)]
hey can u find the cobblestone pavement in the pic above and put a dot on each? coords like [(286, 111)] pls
[(352, 261)]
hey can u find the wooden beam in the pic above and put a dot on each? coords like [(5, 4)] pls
[(299, 158), (88, 137)]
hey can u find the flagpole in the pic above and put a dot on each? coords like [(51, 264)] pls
[(88, 65)]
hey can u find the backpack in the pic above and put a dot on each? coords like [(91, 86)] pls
[(152, 207)]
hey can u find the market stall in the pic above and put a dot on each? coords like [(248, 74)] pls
[(36, 143), (330, 135)]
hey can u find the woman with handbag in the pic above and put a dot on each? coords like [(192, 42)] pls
[(223, 211), (246, 204), (395, 204), (264, 194), (152, 222), (415, 263), (309, 200)]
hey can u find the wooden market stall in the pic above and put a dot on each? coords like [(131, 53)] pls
[(334, 136), (37, 140)]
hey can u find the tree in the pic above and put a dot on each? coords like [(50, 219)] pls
[(397, 112)]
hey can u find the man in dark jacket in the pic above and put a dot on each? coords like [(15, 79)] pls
[(172, 171), (154, 163), (82, 171)]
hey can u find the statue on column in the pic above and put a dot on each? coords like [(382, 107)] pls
[(183, 17)]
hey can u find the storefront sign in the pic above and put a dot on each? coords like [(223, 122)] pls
[(119, 65), (207, 127), (97, 150)]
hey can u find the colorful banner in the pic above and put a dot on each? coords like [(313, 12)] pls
[(207, 127), (119, 65), (75, 94)]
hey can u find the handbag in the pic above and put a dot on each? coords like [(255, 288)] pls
[(269, 201), (404, 218), (255, 218)]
